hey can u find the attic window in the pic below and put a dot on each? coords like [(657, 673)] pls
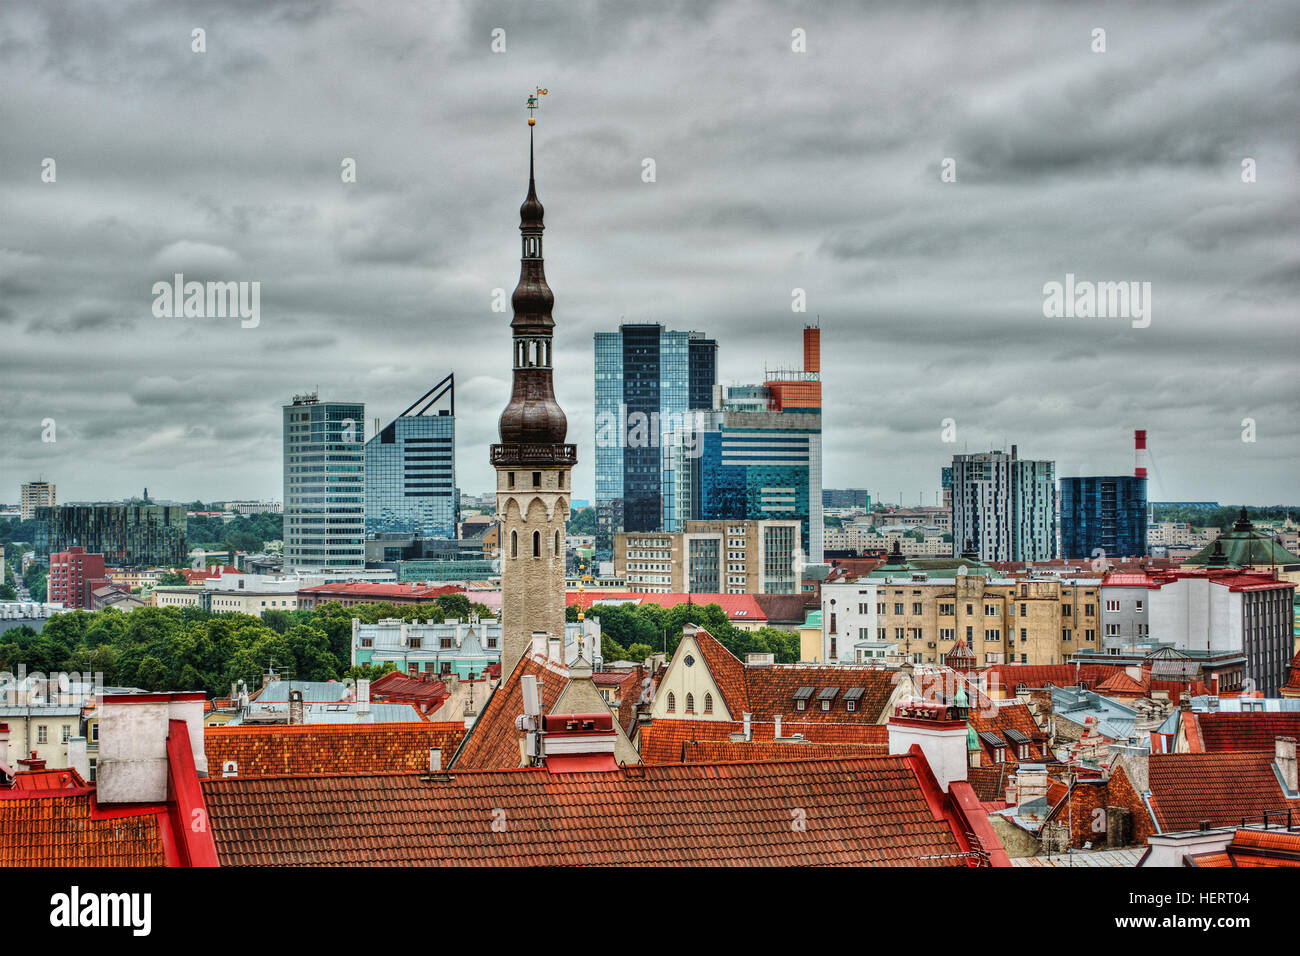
[(801, 698), (827, 696)]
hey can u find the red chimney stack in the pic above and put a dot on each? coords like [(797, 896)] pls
[(1140, 451)]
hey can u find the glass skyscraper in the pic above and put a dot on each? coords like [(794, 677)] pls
[(648, 381), (1106, 514), (126, 535), (324, 484), (411, 470)]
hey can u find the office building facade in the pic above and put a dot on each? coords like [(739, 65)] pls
[(324, 484), (1104, 517), (411, 470), (760, 456), (128, 536), (1004, 505), (649, 381), (711, 557)]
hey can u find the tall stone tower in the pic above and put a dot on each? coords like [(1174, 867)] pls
[(533, 463)]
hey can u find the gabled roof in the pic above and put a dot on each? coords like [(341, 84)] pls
[(1120, 684), (727, 670), (879, 810), (1254, 848), (1221, 788), (401, 686), (493, 742), (329, 748)]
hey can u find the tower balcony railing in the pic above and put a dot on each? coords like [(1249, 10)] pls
[(536, 454)]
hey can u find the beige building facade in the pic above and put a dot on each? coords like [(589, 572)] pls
[(711, 557)]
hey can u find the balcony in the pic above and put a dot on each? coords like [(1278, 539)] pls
[(543, 454)]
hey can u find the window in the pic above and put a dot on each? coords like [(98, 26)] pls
[(1065, 610), (708, 703), (1112, 605), (557, 542), (537, 544), (510, 479), (1066, 634), (537, 479), (990, 610), (514, 544), (416, 642), (1137, 606), (1024, 609), (42, 734), (445, 643), (690, 703), (1090, 635), (898, 607), (672, 702), (946, 609), (67, 732), (94, 731), (1089, 610)]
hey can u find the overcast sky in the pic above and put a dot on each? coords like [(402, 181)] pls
[(775, 170)]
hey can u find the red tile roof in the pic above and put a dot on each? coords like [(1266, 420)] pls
[(1006, 677), (47, 780), (664, 740), (1120, 684), (1255, 848), (493, 744), (1293, 682), (1222, 788), (737, 607), (728, 751), (397, 687), (61, 828), (1245, 731), (329, 748), (379, 590), (854, 812), (727, 670)]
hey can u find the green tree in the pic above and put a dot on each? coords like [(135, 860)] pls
[(171, 579)]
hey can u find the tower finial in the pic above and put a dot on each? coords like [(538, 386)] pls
[(532, 104)]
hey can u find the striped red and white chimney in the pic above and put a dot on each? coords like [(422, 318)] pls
[(1140, 451)]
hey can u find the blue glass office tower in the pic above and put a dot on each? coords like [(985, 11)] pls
[(1104, 514), (648, 382), (324, 484), (411, 470)]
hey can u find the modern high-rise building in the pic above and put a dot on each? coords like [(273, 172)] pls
[(649, 382), (1104, 517), (411, 469), (534, 464), (760, 456), (846, 498), (35, 494), (127, 536), (1107, 517), (1004, 505), (324, 484), (945, 480), (74, 574)]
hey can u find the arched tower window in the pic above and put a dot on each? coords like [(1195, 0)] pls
[(557, 543), (514, 544), (672, 702), (537, 544)]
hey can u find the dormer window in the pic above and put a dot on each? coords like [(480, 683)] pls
[(827, 697), (801, 698)]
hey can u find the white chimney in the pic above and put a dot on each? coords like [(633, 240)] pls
[(363, 696), (4, 744), (748, 731), (78, 760), (435, 760), (942, 740), (539, 644), (133, 731), (776, 731), (1285, 758), (556, 649)]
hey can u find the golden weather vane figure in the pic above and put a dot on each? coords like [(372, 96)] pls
[(533, 104)]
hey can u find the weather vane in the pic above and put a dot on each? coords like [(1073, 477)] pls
[(532, 105)]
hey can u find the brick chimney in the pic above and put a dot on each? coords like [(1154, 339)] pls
[(940, 732), (32, 763), (573, 743), (1284, 758)]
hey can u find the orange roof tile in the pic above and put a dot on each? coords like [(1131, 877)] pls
[(855, 812), (493, 743), (35, 831), (329, 748), (727, 670), (1221, 788), (664, 740), (1254, 730)]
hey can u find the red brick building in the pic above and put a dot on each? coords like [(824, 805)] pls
[(74, 574)]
